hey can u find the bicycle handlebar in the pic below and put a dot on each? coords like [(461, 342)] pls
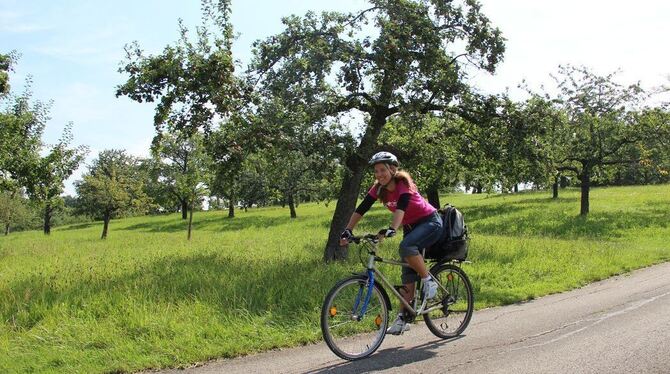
[(373, 238)]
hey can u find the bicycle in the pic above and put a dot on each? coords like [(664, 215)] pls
[(355, 313)]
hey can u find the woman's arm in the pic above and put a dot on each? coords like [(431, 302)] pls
[(353, 221), (398, 215), (397, 219), (363, 207), (403, 202)]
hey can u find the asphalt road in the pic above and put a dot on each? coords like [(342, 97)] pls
[(619, 325)]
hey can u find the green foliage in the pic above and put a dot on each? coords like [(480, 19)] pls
[(406, 65), (650, 159), (23, 165), (192, 80), (112, 187), (147, 298), (602, 124), (185, 169), (394, 58), (300, 156), (499, 147), (185, 166), (22, 124), (6, 62), (232, 148), (197, 91), (44, 176), (14, 211), (18, 213), (253, 182), (161, 195), (430, 151)]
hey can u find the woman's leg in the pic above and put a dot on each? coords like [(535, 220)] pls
[(409, 277), (408, 294), (420, 237), (416, 263)]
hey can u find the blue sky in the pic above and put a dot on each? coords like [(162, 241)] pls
[(73, 49)]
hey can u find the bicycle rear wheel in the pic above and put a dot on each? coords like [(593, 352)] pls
[(348, 334), (454, 302)]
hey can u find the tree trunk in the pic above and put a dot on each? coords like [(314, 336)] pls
[(184, 209), (351, 184), (516, 188), (9, 216), (585, 178), (554, 189), (291, 205), (346, 204), (47, 219), (105, 226), (231, 206), (190, 222), (433, 196)]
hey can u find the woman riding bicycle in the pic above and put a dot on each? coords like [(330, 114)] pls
[(421, 223)]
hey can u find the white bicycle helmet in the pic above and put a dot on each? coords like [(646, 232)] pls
[(385, 157)]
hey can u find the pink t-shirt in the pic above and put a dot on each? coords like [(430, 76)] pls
[(417, 208)]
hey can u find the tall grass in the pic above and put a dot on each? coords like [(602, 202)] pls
[(148, 298)]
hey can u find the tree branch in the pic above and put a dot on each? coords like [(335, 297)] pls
[(617, 162), (351, 22), (568, 168), (456, 58), (364, 95)]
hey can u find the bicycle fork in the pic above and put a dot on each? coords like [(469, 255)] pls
[(370, 284)]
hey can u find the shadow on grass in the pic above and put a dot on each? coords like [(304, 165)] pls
[(475, 213), (81, 226), (213, 223)]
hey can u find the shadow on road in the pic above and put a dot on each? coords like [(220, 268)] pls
[(388, 358)]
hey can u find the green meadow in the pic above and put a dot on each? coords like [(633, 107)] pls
[(148, 298)]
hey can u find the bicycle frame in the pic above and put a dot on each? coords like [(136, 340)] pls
[(372, 271)]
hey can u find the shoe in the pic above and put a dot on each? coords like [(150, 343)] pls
[(398, 327), (429, 289)]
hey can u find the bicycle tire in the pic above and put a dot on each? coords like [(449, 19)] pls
[(351, 341), (456, 299)]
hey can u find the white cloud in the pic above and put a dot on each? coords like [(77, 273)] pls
[(95, 48), (14, 23)]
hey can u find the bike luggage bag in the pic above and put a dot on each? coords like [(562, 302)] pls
[(453, 244)]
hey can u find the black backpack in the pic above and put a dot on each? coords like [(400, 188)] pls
[(453, 243)]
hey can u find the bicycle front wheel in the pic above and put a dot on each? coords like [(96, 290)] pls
[(350, 333), (451, 312)]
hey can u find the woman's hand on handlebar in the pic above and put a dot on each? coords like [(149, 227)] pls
[(386, 233), (345, 237)]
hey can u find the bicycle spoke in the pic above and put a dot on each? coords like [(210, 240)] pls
[(442, 320), (347, 334)]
